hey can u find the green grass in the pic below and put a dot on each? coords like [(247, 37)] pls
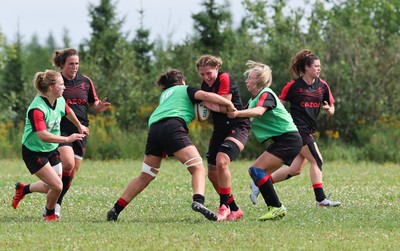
[(161, 218)]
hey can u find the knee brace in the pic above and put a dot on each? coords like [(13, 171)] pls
[(230, 148), (199, 161), (259, 176), (152, 171)]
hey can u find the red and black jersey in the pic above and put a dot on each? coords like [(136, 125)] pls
[(306, 101), (225, 84), (79, 94)]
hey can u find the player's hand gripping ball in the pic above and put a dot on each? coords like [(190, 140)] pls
[(201, 112)]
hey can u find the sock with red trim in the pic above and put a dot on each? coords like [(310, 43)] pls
[(120, 205), (66, 180), (224, 194), (232, 203), (319, 192)]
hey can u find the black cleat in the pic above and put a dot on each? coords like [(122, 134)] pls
[(112, 215), (198, 207)]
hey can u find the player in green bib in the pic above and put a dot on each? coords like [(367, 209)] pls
[(41, 138), (269, 121), (168, 135)]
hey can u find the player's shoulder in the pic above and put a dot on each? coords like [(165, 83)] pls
[(225, 76), (83, 77), (322, 82), (292, 83)]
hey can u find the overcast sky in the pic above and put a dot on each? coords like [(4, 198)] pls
[(161, 17)]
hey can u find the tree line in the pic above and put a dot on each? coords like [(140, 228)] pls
[(357, 41)]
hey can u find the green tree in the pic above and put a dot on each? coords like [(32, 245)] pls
[(15, 94), (37, 57), (362, 57), (212, 26), (142, 45), (108, 59), (66, 39)]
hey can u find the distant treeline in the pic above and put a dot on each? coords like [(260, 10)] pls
[(357, 41)]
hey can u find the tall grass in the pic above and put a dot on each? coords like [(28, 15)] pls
[(161, 219)]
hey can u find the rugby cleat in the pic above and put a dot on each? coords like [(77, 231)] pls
[(254, 192), (57, 211), (235, 215), (198, 207), (274, 213), (112, 215), (52, 217), (19, 194), (328, 203), (223, 212)]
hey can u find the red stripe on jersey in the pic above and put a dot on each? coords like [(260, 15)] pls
[(263, 98), (38, 121), (285, 89), (67, 109), (225, 84), (331, 99), (93, 89)]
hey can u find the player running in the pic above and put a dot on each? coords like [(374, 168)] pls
[(306, 95), (269, 121)]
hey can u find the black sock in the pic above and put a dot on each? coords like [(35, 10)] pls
[(120, 205), (27, 189), (66, 184), (319, 194), (199, 198), (232, 204), (223, 199), (267, 190), (49, 212)]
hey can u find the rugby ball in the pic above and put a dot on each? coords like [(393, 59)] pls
[(201, 112)]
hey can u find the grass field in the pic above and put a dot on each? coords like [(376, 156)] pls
[(161, 218)]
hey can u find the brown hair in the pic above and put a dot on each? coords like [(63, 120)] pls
[(298, 63), (170, 78), (60, 56), (208, 60), (43, 80), (262, 71)]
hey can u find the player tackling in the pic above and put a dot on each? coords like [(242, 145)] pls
[(168, 135)]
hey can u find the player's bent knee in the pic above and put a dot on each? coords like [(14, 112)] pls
[(257, 174), (57, 187), (193, 162), (230, 148), (152, 171)]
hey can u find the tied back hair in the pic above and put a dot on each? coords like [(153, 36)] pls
[(60, 56), (170, 78), (298, 63), (209, 60), (262, 72), (43, 80)]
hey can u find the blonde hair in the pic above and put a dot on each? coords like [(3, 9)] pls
[(43, 80), (208, 60), (263, 73)]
